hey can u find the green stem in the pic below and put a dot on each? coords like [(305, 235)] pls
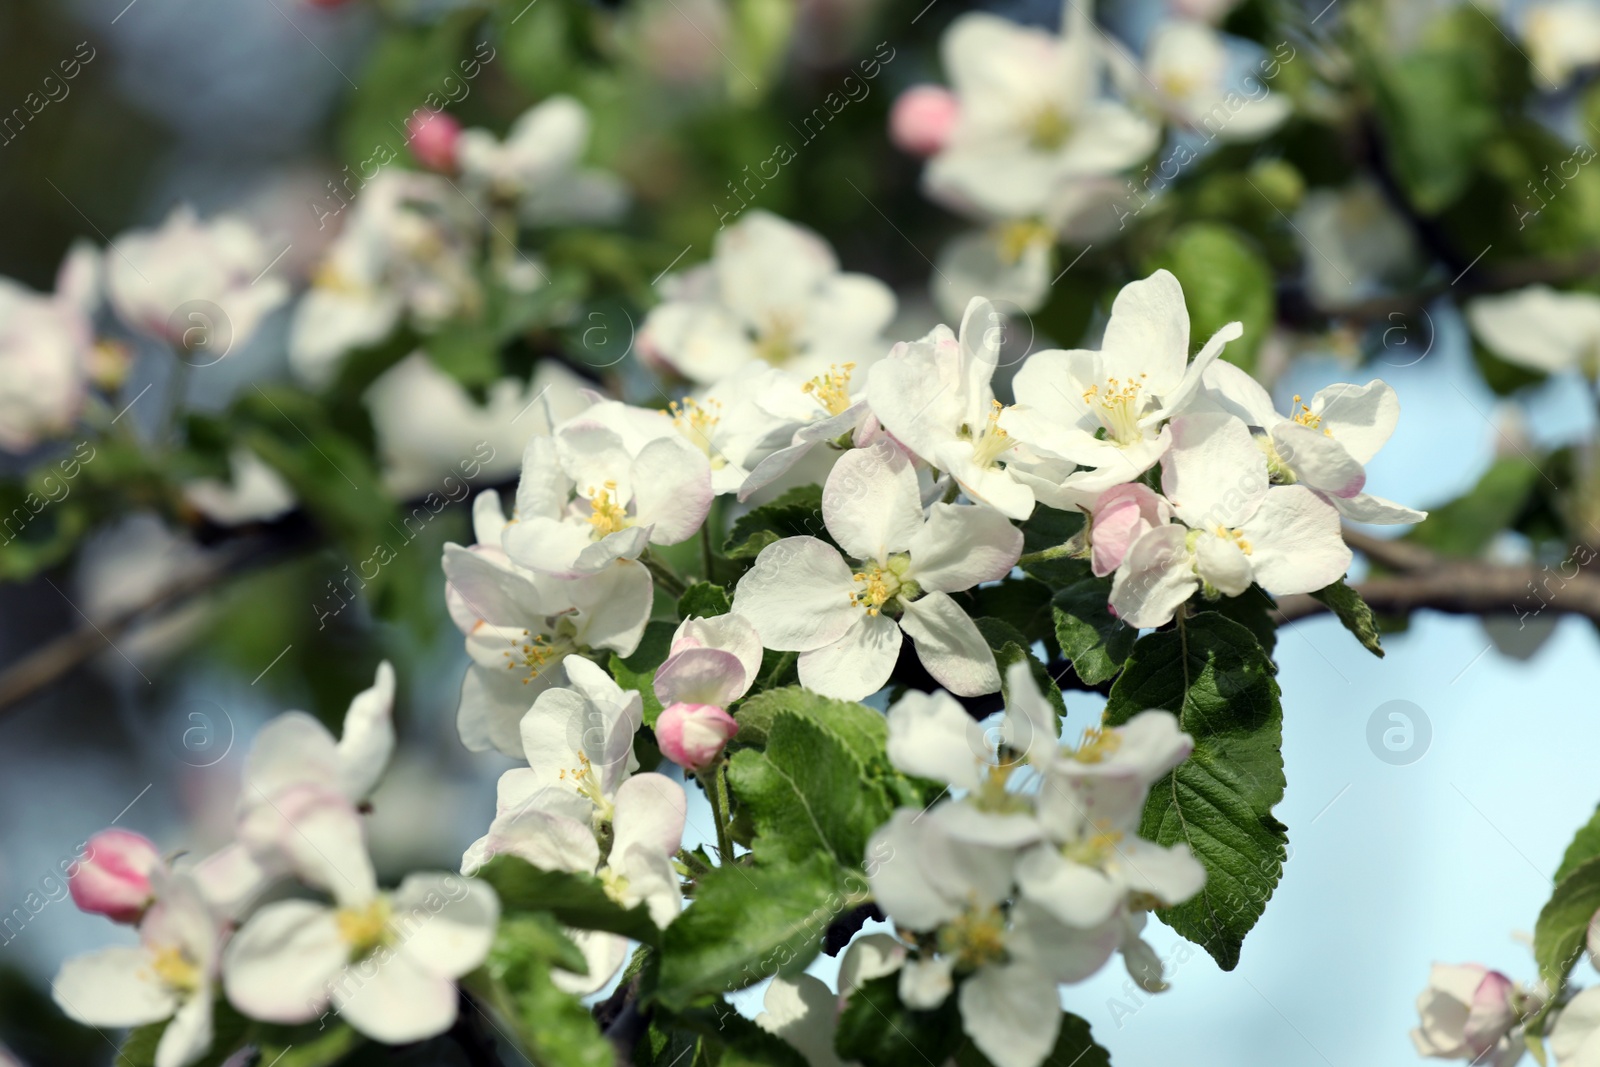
[(717, 793), (663, 574), (1072, 548), (706, 555)]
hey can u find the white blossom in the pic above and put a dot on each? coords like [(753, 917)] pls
[(773, 291), (802, 596), (46, 344)]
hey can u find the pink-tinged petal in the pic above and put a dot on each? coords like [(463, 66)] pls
[(112, 987), (391, 999), (1214, 475), (871, 503), (113, 878), (493, 589), (856, 664), (922, 119), (317, 832), (651, 809), (1318, 460), (1296, 543), (613, 607), (231, 878), (367, 740), (700, 676), (949, 645), (671, 489), (445, 922), (797, 595), (730, 633), (1157, 576), (1359, 417), (694, 735), (962, 545), (281, 965), (1121, 516), (1491, 1015)]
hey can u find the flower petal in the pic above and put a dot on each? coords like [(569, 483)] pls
[(855, 665), (281, 965), (445, 922), (932, 736), (949, 645), (1297, 544), (962, 545), (112, 987), (797, 596), (871, 503), (389, 998)]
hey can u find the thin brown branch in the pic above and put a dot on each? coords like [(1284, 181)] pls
[(1471, 587)]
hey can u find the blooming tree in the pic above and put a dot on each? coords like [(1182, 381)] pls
[(776, 602)]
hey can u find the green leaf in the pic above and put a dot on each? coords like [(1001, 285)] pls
[(1096, 642), (1466, 525), (1009, 646), (1585, 846), (747, 924), (306, 1046), (1559, 935), (638, 671), (539, 933), (554, 1025), (1436, 119), (1225, 279), (1347, 604), (703, 600), (1214, 676), (1022, 602), (807, 792), (405, 72), (797, 513), (1075, 1047), (877, 1030), (666, 1046), (732, 1040), (1254, 609), (576, 900), (862, 730)]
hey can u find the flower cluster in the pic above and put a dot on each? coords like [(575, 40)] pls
[(385, 961), (1035, 873), (1031, 137)]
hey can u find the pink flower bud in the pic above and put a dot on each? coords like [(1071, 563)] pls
[(433, 137), (1122, 515), (922, 118), (693, 735), (114, 877)]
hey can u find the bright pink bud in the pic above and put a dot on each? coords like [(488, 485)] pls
[(433, 137), (1122, 515), (922, 118), (113, 878), (693, 735)]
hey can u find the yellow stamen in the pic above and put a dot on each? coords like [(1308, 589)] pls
[(175, 969), (1305, 417), (878, 586), (587, 783), (992, 442), (364, 928), (1093, 851), (1099, 743), (696, 422), (1048, 129), (832, 390), (975, 937), (1015, 238), (1118, 407), (777, 344), (1236, 536), (608, 516), (533, 654)]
